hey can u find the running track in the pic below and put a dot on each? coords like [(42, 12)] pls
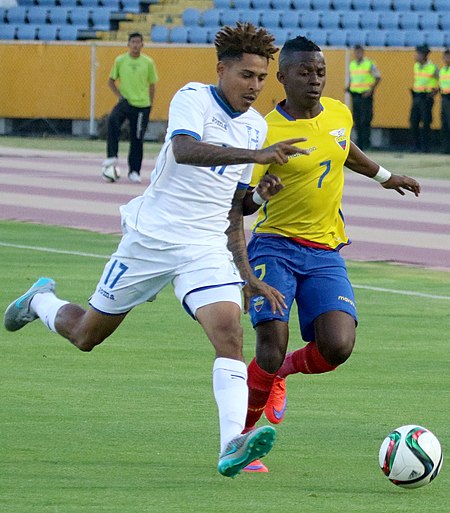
[(66, 189)]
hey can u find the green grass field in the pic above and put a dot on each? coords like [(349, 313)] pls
[(132, 427)]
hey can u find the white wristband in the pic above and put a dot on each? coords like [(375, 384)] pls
[(257, 198), (382, 175)]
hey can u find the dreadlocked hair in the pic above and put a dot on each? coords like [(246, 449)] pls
[(232, 42)]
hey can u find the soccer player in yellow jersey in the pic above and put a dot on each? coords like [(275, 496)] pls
[(299, 231)]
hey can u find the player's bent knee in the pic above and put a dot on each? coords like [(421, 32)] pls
[(338, 352)]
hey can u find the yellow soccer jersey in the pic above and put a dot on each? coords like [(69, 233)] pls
[(309, 206)]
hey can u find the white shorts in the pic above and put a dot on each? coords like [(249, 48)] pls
[(141, 267)]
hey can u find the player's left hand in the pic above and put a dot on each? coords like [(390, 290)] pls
[(268, 186), (255, 287), (402, 183)]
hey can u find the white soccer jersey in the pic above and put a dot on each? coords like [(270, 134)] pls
[(188, 204)]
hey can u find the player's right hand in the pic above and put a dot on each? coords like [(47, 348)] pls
[(280, 152)]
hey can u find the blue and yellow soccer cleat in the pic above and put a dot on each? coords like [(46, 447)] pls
[(244, 449), (18, 312)]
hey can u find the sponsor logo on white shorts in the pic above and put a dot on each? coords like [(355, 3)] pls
[(105, 293)]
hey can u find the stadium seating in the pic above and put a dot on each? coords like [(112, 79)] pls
[(422, 5), (389, 21), (191, 17), (37, 15), (319, 36), (210, 18), (270, 19), (441, 5), (281, 5), (414, 37), (250, 16), (241, 4), (222, 4), (230, 17), (281, 36), (395, 38), (80, 16), (370, 22), (200, 35), (342, 5), (100, 18), (59, 15), (300, 5), (430, 20), (435, 38), (47, 32), (7, 31), (290, 19), (357, 37), (16, 15), (310, 20), (337, 37), (320, 5), (401, 5), (179, 34), (68, 33), (381, 5), (410, 21), (350, 20), (445, 21), (26, 31), (376, 38), (261, 5), (331, 20), (160, 34), (132, 6), (361, 5)]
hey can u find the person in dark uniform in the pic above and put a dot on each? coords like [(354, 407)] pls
[(364, 78), (424, 89), (444, 87)]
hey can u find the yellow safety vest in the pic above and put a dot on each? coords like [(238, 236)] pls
[(361, 78), (424, 77), (444, 80)]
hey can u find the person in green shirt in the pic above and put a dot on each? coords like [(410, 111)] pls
[(137, 76)]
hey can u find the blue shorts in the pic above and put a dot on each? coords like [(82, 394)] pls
[(315, 278)]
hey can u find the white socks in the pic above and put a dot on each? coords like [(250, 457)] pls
[(46, 306), (231, 393)]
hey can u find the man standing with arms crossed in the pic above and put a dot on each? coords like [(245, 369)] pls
[(137, 76), (187, 230)]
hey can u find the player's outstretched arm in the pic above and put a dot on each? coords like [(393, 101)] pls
[(187, 150), (238, 247), (359, 162)]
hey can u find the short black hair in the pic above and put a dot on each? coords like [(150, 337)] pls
[(423, 49), (358, 47), (446, 51), (135, 34), (233, 42), (298, 44)]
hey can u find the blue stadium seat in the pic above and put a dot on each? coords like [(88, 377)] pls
[(310, 20), (230, 17), (331, 20), (159, 34), (321, 5), (2, 15), (68, 3), (370, 21), (281, 35), (114, 5), (342, 5), (68, 33), (211, 18), (200, 35), (361, 5), (319, 36), (401, 5), (435, 38), (300, 5), (27, 3), (250, 16), (445, 21), (7, 31), (222, 4), (46, 3), (281, 5), (26, 32), (409, 21), (337, 37), (58, 15), (270, 19), (191, 17), (381, 5), (37, 15), (357, 37), (80, 16), (100, 18), (395, 38), (132, 6), (430, 20), (290, 19), (350, 20), (47, 32), (261, 5), (376, 38), (441, 5), (389, 21), (414, 38), (16, 15), (423, 5), (241, 4), (179, 34), (90, 3)]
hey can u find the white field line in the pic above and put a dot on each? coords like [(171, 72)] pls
[(106, 257)]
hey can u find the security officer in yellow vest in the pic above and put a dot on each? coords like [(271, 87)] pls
[(363, 79), (425, 87), (444, 87)]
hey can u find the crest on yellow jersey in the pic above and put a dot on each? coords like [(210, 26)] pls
[(340, 137)]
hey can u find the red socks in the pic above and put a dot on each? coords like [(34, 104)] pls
[(259, 386), (306, 360)]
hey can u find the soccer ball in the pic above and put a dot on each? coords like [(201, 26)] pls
[(410, 456), (111, 172)]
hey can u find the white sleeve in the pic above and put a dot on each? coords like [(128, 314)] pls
[(186, 112)]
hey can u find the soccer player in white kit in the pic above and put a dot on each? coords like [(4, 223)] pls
[(187, 230)]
